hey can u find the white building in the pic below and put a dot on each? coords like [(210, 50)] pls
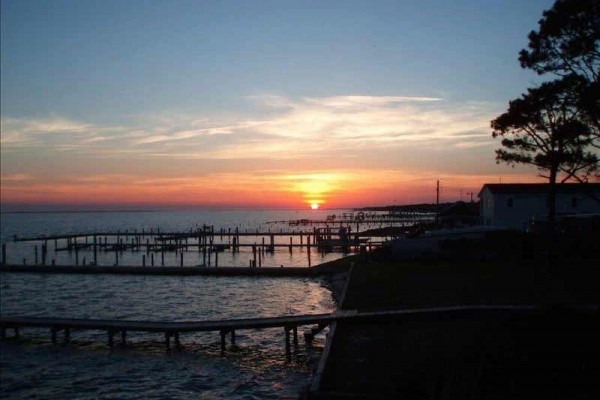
[(515, 205)]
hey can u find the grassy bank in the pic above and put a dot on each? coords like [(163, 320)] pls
[(554, 355), (392, 285)]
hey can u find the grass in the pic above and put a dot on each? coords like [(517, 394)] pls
[(553, 356)]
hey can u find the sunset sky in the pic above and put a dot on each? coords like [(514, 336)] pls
[(256, 104)]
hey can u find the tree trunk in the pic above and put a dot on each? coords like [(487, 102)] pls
[(552, 198)]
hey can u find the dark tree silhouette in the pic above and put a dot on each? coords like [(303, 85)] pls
[(545, 128), (568, 44), (567, 40), (555, 126)]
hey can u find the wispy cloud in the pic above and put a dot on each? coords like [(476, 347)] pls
[(54, 132), (286, 128), (14, 178)]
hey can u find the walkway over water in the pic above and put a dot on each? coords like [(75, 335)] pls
[(179, 271), (289, 323)]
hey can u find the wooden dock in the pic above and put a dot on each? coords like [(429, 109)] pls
[(95, 248), (289, 324), (178, 271)]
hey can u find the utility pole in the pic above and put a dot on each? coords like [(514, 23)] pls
[(437, 202)]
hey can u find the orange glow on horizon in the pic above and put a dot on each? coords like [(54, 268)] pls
[(339, 189)]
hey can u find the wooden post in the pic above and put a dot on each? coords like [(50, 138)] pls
[(177, 342), (272, 245), (95, 250), (44, 248), (152, 259), (223, 333), (147, 246), (288, 347), (181, 256), (290, 245), (3, 253), (308, 249), (204, 255), (36, 255), (111, 342), (260, 258), (143, 260), (295, 336), (301, 241), (162, 256), (168, 340), (76, 254), (216, 258), (254, 255), (116, 257)]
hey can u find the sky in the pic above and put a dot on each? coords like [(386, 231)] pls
[(256, 104)]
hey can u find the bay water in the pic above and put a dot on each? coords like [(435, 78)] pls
[(86, 368)]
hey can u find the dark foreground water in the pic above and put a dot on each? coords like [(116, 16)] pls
[(87, 368)]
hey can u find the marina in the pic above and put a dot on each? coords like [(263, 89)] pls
[(206, 245)]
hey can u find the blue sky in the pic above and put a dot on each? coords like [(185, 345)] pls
[(89, 80)]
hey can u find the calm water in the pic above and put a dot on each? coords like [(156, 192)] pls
[(88, 369), (38, 224)]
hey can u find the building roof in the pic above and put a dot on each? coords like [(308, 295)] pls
[(540, 188)]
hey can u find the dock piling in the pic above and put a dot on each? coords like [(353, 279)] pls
[(288, 347), (223, 344), (295, 336), (95, 250)]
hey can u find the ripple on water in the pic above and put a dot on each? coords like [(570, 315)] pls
[(87, 369)]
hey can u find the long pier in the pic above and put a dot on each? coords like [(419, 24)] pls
[(92, 248), (179, 271), (289, 324)]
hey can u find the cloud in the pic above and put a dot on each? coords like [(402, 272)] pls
[(302, 128), (14, 178), (52, 132)]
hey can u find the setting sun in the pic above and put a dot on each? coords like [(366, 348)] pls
[(314, 206)]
